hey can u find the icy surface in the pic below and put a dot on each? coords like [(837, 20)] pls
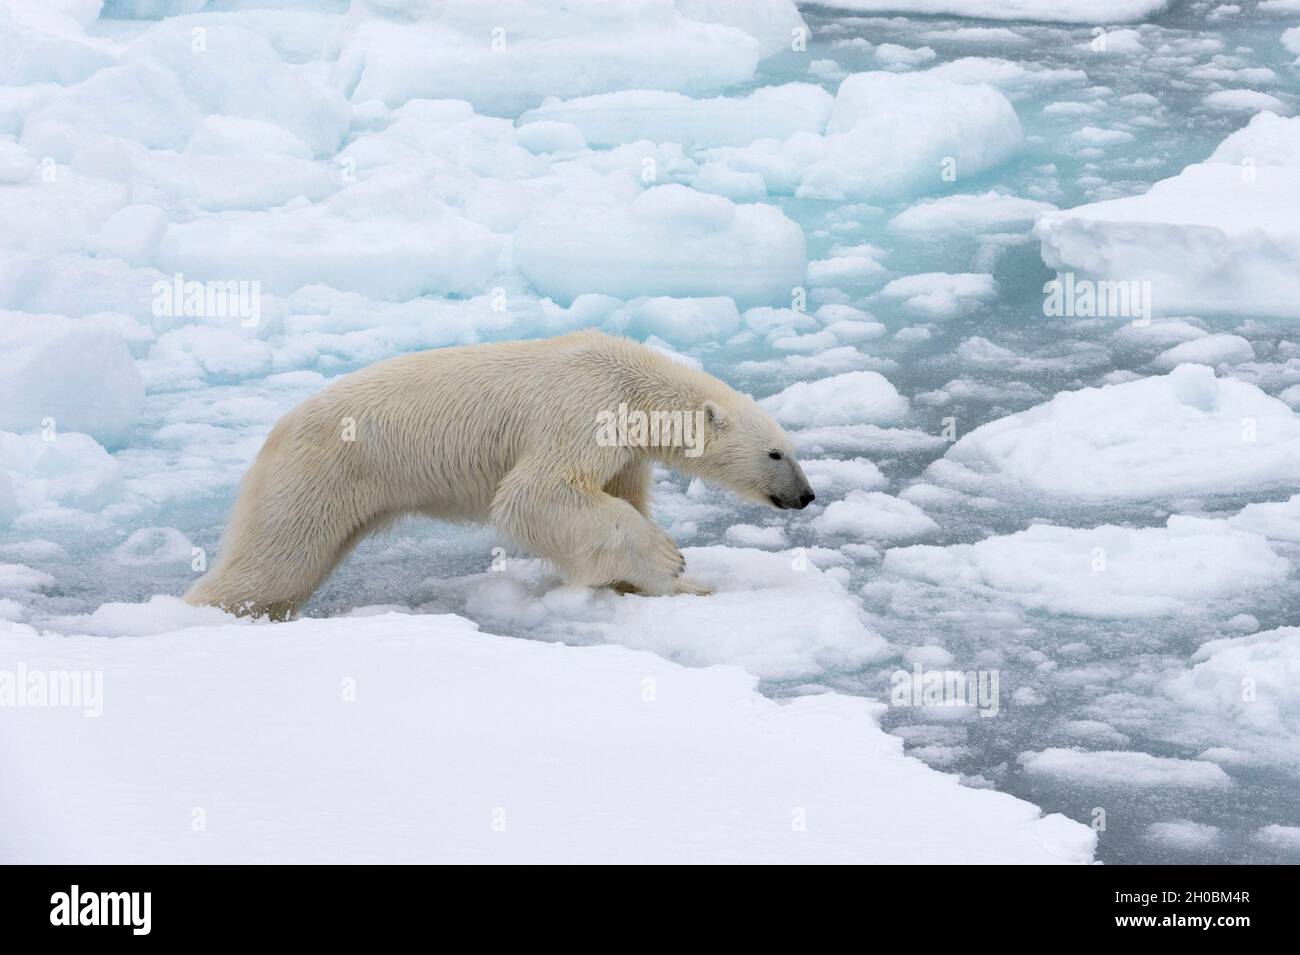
[(694, 766), (851, 214), (1220, 236)]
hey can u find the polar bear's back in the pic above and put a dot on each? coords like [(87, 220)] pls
[(438, 430)]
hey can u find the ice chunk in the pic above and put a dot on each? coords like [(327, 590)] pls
[(154, 546), (746, 621), (132, 234), (502, 65), (892, 56), (752, 535), (159, 614), (1182, 834), (1222, 236), (854, 397), (1286, 838), (1267, 140), (163, 87), (39, 43), (669, 240), (1248, 101), (828, 475), (235, 135), (1248, 683), (69, 471), (969, 213), (1207, 350), (1052, 11), (1276, 520), (871, 515), (941, 294), (679, 320), (548, 136), (611, 119), (888, 134), (388, 237), (891, 133), (1186, 432), (78, 373), (1105, 572), (1123, 769)]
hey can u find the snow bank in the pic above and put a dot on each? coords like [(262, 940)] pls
[(1053, 11), (1106, 572), (669, 240), (1157, 438), (1222, 236), (202, 727)]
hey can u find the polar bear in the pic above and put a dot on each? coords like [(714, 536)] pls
[(552, 441)]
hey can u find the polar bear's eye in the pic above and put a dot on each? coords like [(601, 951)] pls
[(774, 455)]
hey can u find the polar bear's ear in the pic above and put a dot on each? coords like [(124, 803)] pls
[(715, 414)]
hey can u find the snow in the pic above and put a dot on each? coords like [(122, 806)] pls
[(1186, 432), (695, 766), (1220, 236), (1106, 572)]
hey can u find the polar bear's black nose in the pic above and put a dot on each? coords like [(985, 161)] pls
[(806, 498)]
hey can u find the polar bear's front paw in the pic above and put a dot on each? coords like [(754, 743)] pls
[(661, 563), (688, 585)]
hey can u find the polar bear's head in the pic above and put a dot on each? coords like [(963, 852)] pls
[(744, 450)]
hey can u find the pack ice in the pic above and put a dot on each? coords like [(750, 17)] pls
[(1220, 237)]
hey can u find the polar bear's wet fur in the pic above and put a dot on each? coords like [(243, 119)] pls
[(505, 433)]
